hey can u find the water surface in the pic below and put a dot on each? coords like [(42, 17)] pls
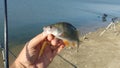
[(26, 18)]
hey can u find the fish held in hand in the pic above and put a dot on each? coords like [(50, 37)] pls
[(65, 31)]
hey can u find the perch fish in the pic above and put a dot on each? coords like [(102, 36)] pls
[(65, 31)]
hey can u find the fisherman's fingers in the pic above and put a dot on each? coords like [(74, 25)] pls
[(37, 40)]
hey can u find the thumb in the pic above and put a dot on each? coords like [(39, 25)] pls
[(38, 39)]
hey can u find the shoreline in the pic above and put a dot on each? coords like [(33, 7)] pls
[(93, 49)]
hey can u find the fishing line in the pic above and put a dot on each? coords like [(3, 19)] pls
[(67, 61)]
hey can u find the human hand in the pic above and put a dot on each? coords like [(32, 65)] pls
[(29, 56)]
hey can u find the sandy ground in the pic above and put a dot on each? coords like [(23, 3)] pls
[(94, 52)]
